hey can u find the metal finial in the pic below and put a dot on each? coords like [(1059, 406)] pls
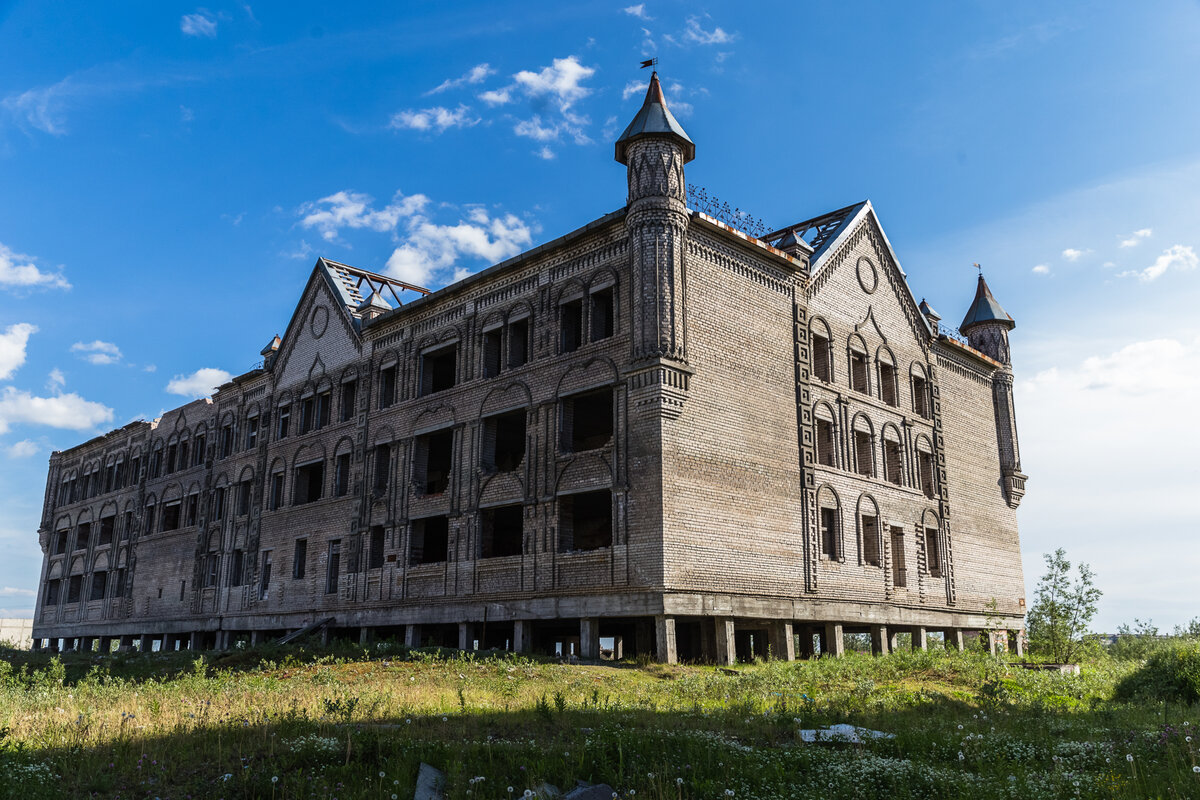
[(650, 62), (976, 265)]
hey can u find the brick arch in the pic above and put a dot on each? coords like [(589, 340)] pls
[(437, 415), (594, 373), (513, 395), (568, 288), (500, 487), (585, 471)]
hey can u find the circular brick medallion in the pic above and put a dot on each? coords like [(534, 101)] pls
[(320, 321), (868, 277)]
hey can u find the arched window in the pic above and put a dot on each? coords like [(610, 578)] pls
[(870, 545), (893, 460), (822, 351), (885, 365), (857, 350), (920, 392), (826, 435), (830, 515), (864, 446), (931, 529), (926, 476)]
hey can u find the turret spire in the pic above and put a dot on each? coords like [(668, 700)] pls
[(654, 119)]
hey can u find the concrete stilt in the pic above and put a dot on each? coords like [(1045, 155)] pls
[(412, 635), (466, 636), (664, 636), (195, 640), (521, 636), (954, 638), (1019, 643), (783, 641), (919, 639), (893, 640), (723, 628), (365, 635), (832, 643), (589, 638), (879, 640), (255, 638), (105, 645)]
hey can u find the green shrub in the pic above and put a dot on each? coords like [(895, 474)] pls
[(1170, 674)]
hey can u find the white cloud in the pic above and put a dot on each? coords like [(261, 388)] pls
[(496, 97), (19, 271), (347, 209), (562, 80), (638, 11), (200, 383), (1179, 257), (534, 128), (12, 591), (12, 347), (69, 411), (1137, 237), (97, 352), (22, 449), (1041, 269), (1071, 254), (186, 114), (56, 380), (42, 108), (546, 153), (632, 89), (430, 247), (697, 35), (201, 24), (476, 74), (438, 119)]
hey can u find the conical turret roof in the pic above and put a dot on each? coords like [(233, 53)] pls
[(655, 119), (985, 309)]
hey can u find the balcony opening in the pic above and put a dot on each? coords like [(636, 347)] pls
[(570, 317), (587, 420), (309, 483), (585, 521), (429, 541), (504, 441), (502, 531), (438, 369)]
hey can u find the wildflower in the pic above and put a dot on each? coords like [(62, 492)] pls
[(1196, 770), (729, 792), (1187, 738), (960, 755), (444, 719), (510, 790), (408, 722), (381, 774), (227, 776), (679, 781), (960, 727), (529, 792), (1129, 757), (650, 775), (274, 779)]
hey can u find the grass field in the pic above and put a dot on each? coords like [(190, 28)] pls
[(355, 723)]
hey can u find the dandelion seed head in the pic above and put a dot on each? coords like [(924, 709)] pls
[(1129, 756)]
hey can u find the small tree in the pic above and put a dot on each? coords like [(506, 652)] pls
[(1061, 610)]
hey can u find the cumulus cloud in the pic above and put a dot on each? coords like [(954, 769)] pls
[(22, 449), (1179, 257), (56, 380), (430, 247), (348, 209), (697, 35), (632, 89), (1041, 269), (201, 24), (67, 411), (496, 97), (12, 347), (97, 352), (437, 119), (476, 74), (562, 81), (638, 11), (201, 383), (19, 272), (546, 153), (1071, 254), (12, 591), (1136, 237), (570, 125)]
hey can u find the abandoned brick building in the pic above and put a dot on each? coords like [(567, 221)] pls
[(657, 430)]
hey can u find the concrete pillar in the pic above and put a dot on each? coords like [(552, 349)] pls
[(164, 643), (196, 640), (365, 635), (893, 640), (255, 638), (521, 631), (618, 648), (832, 642), (664, 636), (52, 645), (1019, 644), (919, 639), (589, 638), (412, 636), (466, 636), (105, 646), (723, 629), (783, 641), (124, 644), (144, 645), (954, 638), (85, 644), (879, 640), (993, 642)]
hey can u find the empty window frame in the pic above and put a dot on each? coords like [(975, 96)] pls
[(99, 585), (925, 470), (74, 588), (570, 325), (858, 372), (244, 494), (381, 469), (309, 483), (60, 542), (324, 408), (587, 420), (119, 588), (501, 531), (171, 516), (275, 500), (198, 451), (192, 510), (387, 386), (601, 312), (429, 541), (218, 504), (826, 442), (333, 566), (518, 342), (920, 395), (377, 539), (50, 598), (237, 568), (107, 527), (264, 577), (888, 392), (868, 522), (893, 462), (308, 414), (933, 553), (433, 461), (212, 569), (585, 521), (830, 533), (251, 432), (341, 475), (172, 456), (899, 570), (439, 369), (864, 456), (504, 441), (283, 422), (493, 351), (822, 355), (299, 559), (148, 518), (348, 401)]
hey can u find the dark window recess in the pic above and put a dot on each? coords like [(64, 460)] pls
[(434, 459), (310, 482), (127, 526), (333, 566), (899, 572), (341, 475), (375, 556), (822, 363), (212, 569), (243, 498), (183, 456), (387, 387), (299, 559), (382, 469), (925, 465), (502, 531), (135, 470), (602, 314), (349, 399), (493, 348), (172, 454), (863, 455), (829, 533), (155, 469), (60, 542), (920, 390), (858, 372), (438, 369), (307, 412), (226, 440), (107, 526), (933, 554), (74, 588), (83, 535), (148, 519), (99, 585), (171, 516), (264, 581), (570, 316), (585, 521), (276, 498), (887, 384), (504, 441), (251, 432), (284, 421), (430, 540), (182, 590), (52, 590), (237, 569), (518, 343), (324, 408), (587, 420), (870, 539), (218, 506), (198, 450), (893, 465), (193, 510), (825, 448), (119, 589)]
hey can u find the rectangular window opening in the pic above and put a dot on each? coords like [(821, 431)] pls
[(925, 464), (60, 542), (870, 535), (348, 401), (822, 368), (601, 309), (276, 498), (251, 432), (502, 531), (387, 387), (107, 526), (825, 448), (863, 454), (299, 559), (920, 390), (570, 317), (237, 568), (493, 342), (74, 588), (887, 384), (439, 369), (518, 343), (585, 521), (284, 421), (341, 475), (324, 408), (99, 585), (309, 483), (434, 461), (430, 540), (171, 516), (893, 465), (504, 441), (899, 572), (829, 533), (264, 580), (333, 566), (226, 440), (193, 510), (933, 554), (375, 554), (858, 372), (244, 495), (382, 469), (587, 420)]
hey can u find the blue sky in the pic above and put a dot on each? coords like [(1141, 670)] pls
[(170, 172)]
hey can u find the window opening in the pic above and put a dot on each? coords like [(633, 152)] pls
[(285, 419), (925, 463), (309, 483), (387, 386), (829, 533), (518, 343), (571, 325), (349, 398), (502, 531), (933, 553), (585, 521), (602, 314), (822, 368), (171, 516), (858, 372), (870, 534), (920, 389), (341, 475), (264, 580), (383, 460), (587, 420), (276, 499), (107, 526), (899, 573), (887, 383), (429, 542), (299, 559), (375, 555), (438, 368), (863, 454), (504, 441), (893, 465), (825, 448), (334, 566), (434, 459), (99, 585), (493, 342)]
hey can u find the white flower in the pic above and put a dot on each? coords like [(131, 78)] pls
[(1196, 770), (529, 792), (679, 781), (381, 774), (510, 790), (960, 727), (444, 719), (1129, 756), (274, 779), (960, 755)]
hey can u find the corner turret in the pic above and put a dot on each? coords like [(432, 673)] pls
[(986, 325)]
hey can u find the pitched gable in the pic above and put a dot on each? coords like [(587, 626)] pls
[(320, 337)]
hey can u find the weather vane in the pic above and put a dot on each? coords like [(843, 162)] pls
[(649, 63), (976, 265)]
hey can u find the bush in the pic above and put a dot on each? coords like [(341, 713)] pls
[(1169, 674)]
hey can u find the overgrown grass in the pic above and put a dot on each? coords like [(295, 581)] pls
[(355, 723)]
